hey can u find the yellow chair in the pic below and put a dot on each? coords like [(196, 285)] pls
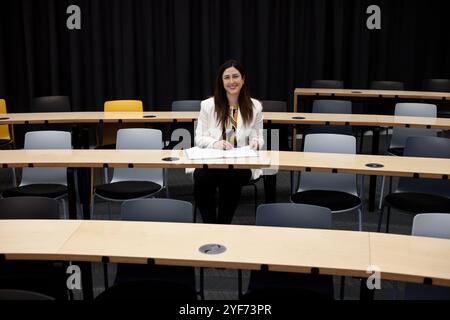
[(110, 129), (6, 131)]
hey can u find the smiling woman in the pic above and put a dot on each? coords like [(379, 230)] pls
[(230, 119)]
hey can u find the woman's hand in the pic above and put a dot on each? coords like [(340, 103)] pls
[(222, 145), (254, 145)]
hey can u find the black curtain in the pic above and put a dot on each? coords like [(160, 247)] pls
[(164, 50)]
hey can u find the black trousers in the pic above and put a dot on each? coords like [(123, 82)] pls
[(229, 182)]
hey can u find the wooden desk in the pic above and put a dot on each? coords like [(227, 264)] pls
[(366, 93), (433, 168), (333, 252), (282, 160), (412, 259), (186, 117)]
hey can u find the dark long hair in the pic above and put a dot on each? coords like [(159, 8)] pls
[(222, 108)]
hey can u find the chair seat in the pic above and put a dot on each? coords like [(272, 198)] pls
[(334, 200), (123, 190), (396, 151), (37, 190), (418, 202)]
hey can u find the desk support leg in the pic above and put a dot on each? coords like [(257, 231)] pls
[(373, 179), (365, 293), (86, 280), (270, 188)]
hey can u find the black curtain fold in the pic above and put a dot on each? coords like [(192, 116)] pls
[(165, 50)]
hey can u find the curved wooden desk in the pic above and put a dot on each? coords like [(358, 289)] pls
[(291, 118), (368, 93), (334, 252), (282, 160)]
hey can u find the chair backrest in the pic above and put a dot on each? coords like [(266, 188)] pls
[(139, 139), (110, 129), (186, 105), (437, 85), (51, 104), (4, 128), (332, 106), (28, 208), (436, 225), (399, 135), (123, 106), (274, 106), (327, 84), (427, 147), (294, 215), (165, 210), (329, 143), (46, 140), (387, 85)]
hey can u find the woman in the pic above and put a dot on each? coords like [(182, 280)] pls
[(229, 119)]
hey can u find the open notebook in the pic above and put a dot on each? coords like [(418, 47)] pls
[(206, 153)]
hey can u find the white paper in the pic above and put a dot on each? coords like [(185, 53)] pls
[(206, 153)]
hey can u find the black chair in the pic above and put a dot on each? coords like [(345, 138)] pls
[(439, 85), (152, 281), (52, 104), (183, 129), (45, 277), (332, 106), (420, 195), (280, 285), (327, 84)]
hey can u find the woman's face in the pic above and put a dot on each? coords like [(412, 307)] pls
[(232, 81)]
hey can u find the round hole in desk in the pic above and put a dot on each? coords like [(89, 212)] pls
[(356, 91), (149, 116), (170, 159), (212, 248), (374, 165), (4, 118), (298, 118)]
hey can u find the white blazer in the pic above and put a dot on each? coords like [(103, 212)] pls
[(208, 132)]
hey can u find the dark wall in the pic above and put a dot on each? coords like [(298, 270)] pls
[(164, 50)]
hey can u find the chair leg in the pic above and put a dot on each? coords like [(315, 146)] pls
[(13, 177), (92, 206), (202, 284), (380, 220), (105, 175), (105, 274), (240, 293), (195, 212), (63, 204), (342, 288), (380, 204), (359, 219), (256, 197), (387, 219)]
